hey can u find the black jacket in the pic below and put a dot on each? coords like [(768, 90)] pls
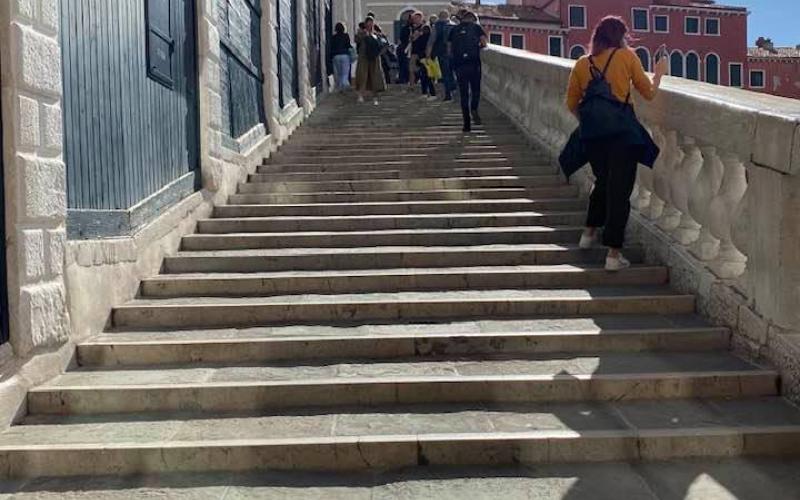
[(574, 157)]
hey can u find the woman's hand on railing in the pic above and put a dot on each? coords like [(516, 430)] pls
[(661, 69)]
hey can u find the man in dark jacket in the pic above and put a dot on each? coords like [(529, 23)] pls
[(437, 48), (465, 44)]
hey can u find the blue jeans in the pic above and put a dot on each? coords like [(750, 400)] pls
[(341, 71), (448, 77)]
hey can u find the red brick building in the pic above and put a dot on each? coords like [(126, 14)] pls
[(706, 41)]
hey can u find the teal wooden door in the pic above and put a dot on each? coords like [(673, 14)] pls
[(130, 99)]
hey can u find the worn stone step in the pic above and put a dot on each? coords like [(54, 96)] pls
[(532, 193), (605, 377), (394, 280), (297, 173), (380, 222), (629, 333), (393, 237), (415, 154), (358, 144), (371, 166), (425, 184), (404, 436), (696, 479), (199, 312), (289, 259), (399, 208)]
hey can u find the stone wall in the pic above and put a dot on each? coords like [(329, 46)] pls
[(35, 189), (722, 206), (63, 291)]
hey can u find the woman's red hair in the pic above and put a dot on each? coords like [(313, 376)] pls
[(610, 33)]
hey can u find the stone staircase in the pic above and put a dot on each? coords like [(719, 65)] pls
[(384, 293)]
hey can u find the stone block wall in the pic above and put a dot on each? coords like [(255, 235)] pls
[(35, 175), (63, 291)]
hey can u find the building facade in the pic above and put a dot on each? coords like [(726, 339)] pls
[(119, 132), (705, 41)]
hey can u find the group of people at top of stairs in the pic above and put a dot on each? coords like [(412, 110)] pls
[(609, 137), (444, 51)]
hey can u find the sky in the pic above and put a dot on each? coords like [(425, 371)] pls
[(776, 19)]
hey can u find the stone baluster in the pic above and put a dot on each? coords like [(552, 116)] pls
[(671, 156), (684, 177), (643, 190), (703, 190), (650, 205), (725, 207)]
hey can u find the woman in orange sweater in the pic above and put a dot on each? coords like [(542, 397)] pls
[(614, 159)]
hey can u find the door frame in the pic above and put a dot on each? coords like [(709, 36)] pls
[(4, 312)]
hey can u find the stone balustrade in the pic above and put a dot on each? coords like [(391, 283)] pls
[(724, 194)]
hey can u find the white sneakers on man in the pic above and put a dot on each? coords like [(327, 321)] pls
[(617, 263)]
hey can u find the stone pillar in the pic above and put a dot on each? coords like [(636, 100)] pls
[(209, 63), (35, 174)]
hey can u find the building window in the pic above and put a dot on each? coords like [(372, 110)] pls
[(661, 24), (641, 21), (676, 64), (576, 52), (644, 56), (518, 41), (496, 38), (757, 78), (555, 44), (712, 26), (692, 25), (692, 66), (577, 16), (160, 44), (735, 74), (712, 69)]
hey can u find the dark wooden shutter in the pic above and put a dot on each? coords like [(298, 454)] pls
[(242, 78), (314, 59), (287, 51), (160, 44)]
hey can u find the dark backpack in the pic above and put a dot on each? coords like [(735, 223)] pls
[(600, 113), (443, 29), (466, 44)]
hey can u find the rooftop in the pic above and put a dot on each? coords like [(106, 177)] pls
[(782, 52)]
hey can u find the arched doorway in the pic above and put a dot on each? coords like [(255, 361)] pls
[(576, 52), (712, 69), (692, 66), (644, 56), (676, 64)]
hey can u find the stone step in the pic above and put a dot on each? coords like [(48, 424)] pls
[(380, 222), (200, 312), (395, 237), (399, 208), (528, 192), (555, 378), (359, 144), (295, 173), (483, 165), (404, 436), (390, 185), (714, 478), (601, 334), (395, 280), (309, 259), (419, 154)]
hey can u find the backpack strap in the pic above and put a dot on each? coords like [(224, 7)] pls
[(596, 73)]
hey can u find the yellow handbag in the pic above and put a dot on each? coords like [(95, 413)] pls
[(433, 68)]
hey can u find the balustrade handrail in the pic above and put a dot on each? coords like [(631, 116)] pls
[(726, 186)]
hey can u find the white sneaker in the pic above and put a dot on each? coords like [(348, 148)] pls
[(617, 263), (360, 100), (375, 102), (587, 241)]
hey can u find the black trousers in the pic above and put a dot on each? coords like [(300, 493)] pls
[(614, 163), (469, 87)]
